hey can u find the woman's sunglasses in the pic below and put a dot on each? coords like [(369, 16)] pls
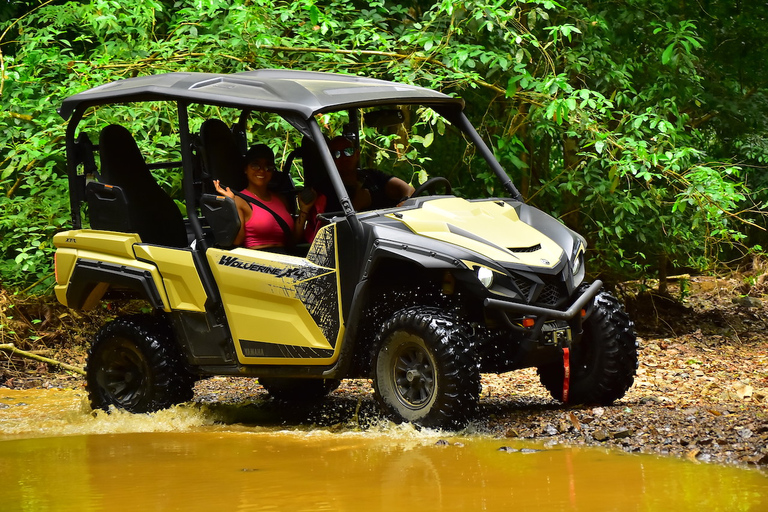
[(254, 165), (347, 152)]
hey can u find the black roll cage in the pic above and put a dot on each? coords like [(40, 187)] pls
[(194, 88)]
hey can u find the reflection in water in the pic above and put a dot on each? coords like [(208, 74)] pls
[(182, 459)]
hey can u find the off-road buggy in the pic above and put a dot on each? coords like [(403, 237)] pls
[(421, 297)]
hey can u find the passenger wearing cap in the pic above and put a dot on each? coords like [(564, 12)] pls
[(368, 189), (265, 222)]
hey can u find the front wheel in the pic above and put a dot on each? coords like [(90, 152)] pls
[(604, 363), (133, 365), (425, 371)]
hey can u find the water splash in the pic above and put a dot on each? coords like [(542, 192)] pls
[(62, 412), (66, 412)]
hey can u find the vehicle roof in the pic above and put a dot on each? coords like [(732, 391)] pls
[(305, 93)]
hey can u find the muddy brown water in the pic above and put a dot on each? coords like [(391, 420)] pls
[(57, 455)]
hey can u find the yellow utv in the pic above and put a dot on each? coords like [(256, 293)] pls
[(421, 296)]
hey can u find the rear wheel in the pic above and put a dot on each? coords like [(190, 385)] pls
[(425, 371), (603, 364), (298, 390), (134, 365)]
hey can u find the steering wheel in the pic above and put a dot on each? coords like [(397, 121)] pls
[(430, 184)]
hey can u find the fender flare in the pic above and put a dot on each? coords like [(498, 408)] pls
[(84, 284)]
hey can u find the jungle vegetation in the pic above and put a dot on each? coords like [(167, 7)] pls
[(639, 123)]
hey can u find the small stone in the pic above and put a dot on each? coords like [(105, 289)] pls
[(600, 435), (747, 302), (442, 442), (743, 390), (507, 449), (32, 383), (621, 434), (551, 430)]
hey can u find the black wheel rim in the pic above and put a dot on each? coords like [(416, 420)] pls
[(414, 376), (122, 374)]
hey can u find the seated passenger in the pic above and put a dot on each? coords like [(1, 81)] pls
[(368, 189), (264, 219)]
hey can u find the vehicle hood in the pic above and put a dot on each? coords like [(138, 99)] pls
[(491, 228)]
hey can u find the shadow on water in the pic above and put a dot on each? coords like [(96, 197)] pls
[(57, 455), (331, 412)]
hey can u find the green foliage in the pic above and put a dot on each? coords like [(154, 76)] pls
[(628, 120)]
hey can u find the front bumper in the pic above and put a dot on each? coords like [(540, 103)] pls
[(579, 311), (543, 312)]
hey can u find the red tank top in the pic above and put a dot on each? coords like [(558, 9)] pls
[(262, 228)]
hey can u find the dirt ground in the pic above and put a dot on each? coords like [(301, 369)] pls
[(701, 390)]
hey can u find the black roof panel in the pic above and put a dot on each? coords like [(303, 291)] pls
[(300, 92)]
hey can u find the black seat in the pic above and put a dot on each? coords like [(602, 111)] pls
[(221, 156), (221, 214), (139, 205)]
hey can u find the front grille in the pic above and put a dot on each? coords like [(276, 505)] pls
[(550, 295), (524, 285)]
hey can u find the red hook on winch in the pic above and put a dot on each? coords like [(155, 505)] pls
[(566, 373)]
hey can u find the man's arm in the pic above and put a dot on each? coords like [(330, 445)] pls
[(396, 189)]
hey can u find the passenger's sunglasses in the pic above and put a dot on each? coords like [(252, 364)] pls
[(254, 165), (347, 152)]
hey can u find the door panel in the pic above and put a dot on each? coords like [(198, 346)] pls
[(281, 309)]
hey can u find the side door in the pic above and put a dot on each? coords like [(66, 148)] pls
[(282, 309)]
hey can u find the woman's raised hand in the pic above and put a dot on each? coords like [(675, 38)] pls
[(223, 191)]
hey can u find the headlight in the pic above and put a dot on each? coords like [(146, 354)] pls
[(578, 259), (577, 264), (485, 276)]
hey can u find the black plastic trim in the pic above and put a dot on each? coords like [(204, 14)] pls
[(88, 273)]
